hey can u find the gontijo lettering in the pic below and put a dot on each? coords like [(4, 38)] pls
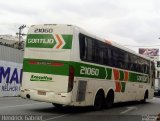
[(142, 78), (43, 41)]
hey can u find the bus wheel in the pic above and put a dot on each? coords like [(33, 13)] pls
[(99, 100), (109, 99), (145, 97), (57, 105)]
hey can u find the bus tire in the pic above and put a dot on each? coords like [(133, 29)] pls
[(99, 100), (109, 99), (145, 97), (57, 105)]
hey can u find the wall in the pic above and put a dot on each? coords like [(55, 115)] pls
[(10, 71)]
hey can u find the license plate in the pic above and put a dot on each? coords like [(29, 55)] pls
[(41, 93)]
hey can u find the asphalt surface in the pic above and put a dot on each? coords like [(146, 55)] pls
[(24, 109)]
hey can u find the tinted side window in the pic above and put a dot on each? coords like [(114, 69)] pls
[(82, 44), (92, 50), (89, 49), (86, 48)]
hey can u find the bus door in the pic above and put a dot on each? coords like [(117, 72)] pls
[(152, 79), (152, 75)]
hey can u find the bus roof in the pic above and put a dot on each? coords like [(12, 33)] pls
[(81, 30)]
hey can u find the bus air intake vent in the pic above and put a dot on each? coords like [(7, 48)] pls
[(81, 92)]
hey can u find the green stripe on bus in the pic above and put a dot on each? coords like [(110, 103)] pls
[(133, 77), (121, 75), (44, 68), (81, 70), (123, 86)]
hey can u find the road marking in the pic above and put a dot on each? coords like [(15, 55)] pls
[(55, 117), (128, 110), (20, 105)]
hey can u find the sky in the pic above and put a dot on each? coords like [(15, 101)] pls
[(132, 23)]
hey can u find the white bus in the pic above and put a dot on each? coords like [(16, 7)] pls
[(65, 65)]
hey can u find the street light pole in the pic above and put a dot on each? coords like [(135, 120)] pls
[(20, 35)]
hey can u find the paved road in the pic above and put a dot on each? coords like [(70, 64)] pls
[(131, 111)]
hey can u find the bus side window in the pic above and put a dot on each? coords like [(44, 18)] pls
[(101, 52), (105, 56), (82, 43), (96, 53), (113, 58), (89, 49), (109, 57)]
